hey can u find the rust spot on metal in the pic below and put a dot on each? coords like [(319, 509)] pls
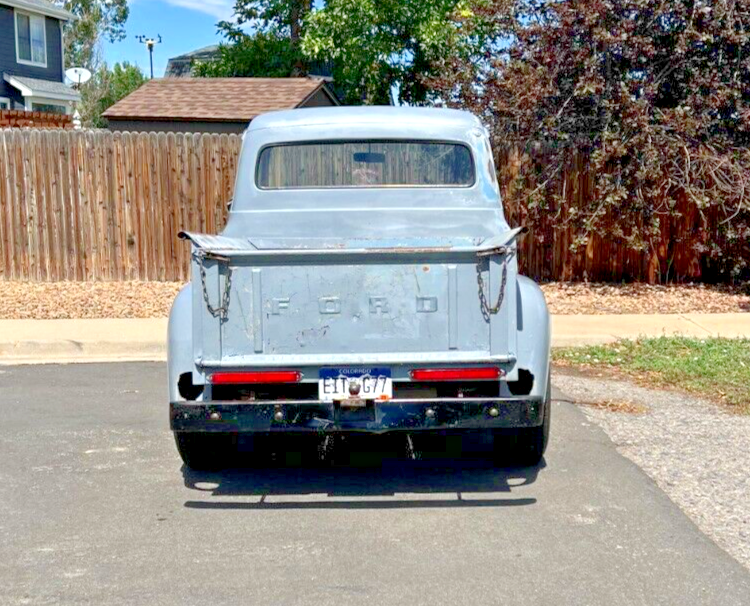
[(410, 250)]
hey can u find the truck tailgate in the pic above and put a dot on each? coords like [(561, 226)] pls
[(296, 307)]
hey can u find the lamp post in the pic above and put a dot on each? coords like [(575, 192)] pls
[(150, 44)]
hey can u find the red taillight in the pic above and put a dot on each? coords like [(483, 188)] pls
[(456, 374), (242, 378)]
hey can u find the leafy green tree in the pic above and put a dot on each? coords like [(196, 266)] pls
[(266, 54), (282, 17), (374, 45), (96, 20), (272, 50), (106, 88), (370, 47)]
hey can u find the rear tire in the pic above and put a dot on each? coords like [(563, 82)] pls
[(525, 447), (206, 451)]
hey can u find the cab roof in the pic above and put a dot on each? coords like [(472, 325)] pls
[(386, 117)]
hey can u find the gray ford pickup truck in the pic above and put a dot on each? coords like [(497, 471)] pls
[(366, 281)]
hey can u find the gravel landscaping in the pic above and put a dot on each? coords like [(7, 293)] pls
[(67, 300), (72, 300), (694, 450), (601, 299)]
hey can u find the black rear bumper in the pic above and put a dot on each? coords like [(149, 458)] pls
[(376, 417)]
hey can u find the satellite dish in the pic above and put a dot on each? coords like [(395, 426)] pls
[(78, 75)]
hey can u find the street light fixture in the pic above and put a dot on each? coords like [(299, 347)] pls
[(150, 44)]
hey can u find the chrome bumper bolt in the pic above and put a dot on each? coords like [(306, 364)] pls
[(278, 416), (494, 412), (215, 416)]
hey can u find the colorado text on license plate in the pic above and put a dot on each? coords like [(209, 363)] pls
[(360, 383)]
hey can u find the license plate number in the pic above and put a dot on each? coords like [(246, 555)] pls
[(355, 384)]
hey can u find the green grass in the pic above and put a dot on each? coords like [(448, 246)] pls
[(717, 368)]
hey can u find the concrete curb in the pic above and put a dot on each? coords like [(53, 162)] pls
[(75, 341), (576, 331), (85, 341)]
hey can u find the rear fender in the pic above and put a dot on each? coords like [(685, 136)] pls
[(180, 357), (533, 330)]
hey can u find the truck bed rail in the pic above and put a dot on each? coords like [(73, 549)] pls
[(223, 246)]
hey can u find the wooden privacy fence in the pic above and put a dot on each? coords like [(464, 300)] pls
[(678, 253), (95, 205)]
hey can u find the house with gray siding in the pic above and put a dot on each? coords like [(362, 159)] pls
[(32, 62)]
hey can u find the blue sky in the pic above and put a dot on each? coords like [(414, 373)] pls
[(184, 25)]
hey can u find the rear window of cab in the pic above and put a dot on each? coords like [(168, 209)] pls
[(366, 163)]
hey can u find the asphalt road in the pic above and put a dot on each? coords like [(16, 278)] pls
[(95, 508)]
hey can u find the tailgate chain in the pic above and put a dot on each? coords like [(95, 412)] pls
[(488, 311), (223, 309)]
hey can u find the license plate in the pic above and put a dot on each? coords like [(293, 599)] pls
[(353, 385)]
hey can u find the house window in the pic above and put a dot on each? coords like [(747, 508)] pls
[(49, 108), (4, 103), (31, 42)]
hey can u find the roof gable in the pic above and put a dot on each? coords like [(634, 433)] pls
[(43, 7), (215, 99), (35, 87), (181, 66)]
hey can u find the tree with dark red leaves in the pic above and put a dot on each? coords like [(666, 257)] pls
[(653, 95)]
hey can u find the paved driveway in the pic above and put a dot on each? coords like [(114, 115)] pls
[(95, 508)]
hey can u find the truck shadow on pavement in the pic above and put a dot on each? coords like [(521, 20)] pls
[(363, 473)]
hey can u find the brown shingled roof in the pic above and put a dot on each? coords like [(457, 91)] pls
[(213, 99)]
